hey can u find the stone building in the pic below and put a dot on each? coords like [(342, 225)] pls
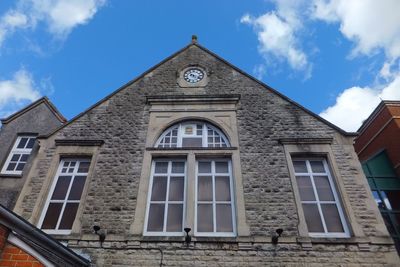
[(378, 148), (196, 145), (17, 142)]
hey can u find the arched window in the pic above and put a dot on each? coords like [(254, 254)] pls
[(192, 134)]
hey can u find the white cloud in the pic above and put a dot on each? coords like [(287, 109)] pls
[(370, 24), (17, 92), (277, 33), (59, 16), (355, 104)]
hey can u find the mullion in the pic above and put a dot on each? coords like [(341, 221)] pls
[(316, 196), (169, 170)]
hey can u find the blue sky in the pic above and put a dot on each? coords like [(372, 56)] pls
[(337, 58)]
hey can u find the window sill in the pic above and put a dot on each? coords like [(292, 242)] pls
[(4, 175)]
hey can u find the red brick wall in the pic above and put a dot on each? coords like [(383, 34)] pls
[(3, 237), (13, 256)]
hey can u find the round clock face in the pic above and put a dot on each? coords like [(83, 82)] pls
[(193, 75)]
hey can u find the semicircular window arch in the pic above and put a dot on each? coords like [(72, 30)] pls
[(192, 134)]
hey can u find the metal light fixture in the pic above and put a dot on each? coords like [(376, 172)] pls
[(188, 238), (275, 238)]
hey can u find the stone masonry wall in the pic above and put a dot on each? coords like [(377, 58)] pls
[(263, 118)]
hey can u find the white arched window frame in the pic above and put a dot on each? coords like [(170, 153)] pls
[(192, 134)]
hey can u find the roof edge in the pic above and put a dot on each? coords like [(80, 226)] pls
[(34, 104)]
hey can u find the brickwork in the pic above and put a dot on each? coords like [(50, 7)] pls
[(263, 118), (3, 237), (13, 256)]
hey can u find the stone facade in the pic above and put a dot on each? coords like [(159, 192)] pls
[(39, 118), (115, 130)]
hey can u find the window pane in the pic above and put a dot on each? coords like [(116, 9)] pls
[(332, 218), (300, 166), (159, 189), (77, 188), (60, 191), (313, 218), (192, 142), (317, 166), (224, 218), (15, 157), (221, 167), (175, 216), (20, 167), (161, 167), (305, 188), (178, 167), (68, 216), (84, 166), (11, 166), (176, 186), (31, 142), (52, 215), (204, 218), (394, 199), (205, 190), (222, 188), (156, 218), (24, 157), (22, 142), (204, 167), (323, 188)]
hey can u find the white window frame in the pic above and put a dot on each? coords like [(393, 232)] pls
[(214, 202), (16, 150), (166, 202), (336, 200), (65, 201), (181, 134)]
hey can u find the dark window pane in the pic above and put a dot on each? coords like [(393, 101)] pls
[(394, 199), (156, 218), (224, 218), (52, 215), (222, 188), (204, 218), (175, 216), (159, 190), (176, 186), (61, 188), (221, 167), (161, 167), (192, 142), (317, 166), (204, 167), (77, 188), (178, 167), (332, 218), (15, 157), (199, 129), (305, 188), (31, 142), (323, 188), (22, 142), (11, 167), (68, 216), (205, 189), (84, 167), (313, 219), (24, 157), (299, 166), (388, 223), (20, 167)]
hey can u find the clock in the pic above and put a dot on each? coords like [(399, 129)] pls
[(193, 75)]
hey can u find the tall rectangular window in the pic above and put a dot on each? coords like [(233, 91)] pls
[(166, 202), (215, 214), (65, 195), (321, 206), (19, 155)]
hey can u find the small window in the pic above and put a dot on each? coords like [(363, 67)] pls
[(319, 199), (192, 134), (65, 195), (19, 155), (215, 213), (166, 203)]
